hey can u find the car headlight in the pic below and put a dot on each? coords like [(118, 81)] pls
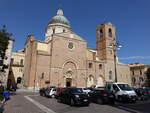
[(77, 96)]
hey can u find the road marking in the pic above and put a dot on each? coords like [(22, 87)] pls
[(42, 107), (129, 109)]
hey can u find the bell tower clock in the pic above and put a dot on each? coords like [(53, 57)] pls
[(105, 39)]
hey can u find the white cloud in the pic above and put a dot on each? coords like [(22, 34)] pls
[(135, 57)]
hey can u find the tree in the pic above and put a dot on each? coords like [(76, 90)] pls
[(148, 77), (4, 41)]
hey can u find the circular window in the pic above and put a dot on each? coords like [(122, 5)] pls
[(70, 45)]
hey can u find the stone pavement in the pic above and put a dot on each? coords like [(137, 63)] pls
[(19, 104), (32, 102)]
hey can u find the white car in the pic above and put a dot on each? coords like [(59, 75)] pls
[(98, 87), (52, 92), (123, 92), (86, 90)]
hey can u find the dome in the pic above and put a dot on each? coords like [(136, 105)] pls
[(59, 18)]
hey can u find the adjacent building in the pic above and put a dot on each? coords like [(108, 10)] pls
[(4, 75), (16, 68), (138, 74), (63, 58)]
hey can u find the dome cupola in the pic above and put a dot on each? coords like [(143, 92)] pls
[(58, 24), (59, 18)]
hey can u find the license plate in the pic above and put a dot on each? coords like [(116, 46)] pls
[(85, 100)]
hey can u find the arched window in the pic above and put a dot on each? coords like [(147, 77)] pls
[(133, 80), (110, 32), (21, 62), (140, 72), (133, 72), (101, 33), (90, 65), (12, 60), (53, 31), (18, 80), (100, 66), (141, 79), (110, 75)]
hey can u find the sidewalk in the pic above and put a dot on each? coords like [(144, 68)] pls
[(19, 104), (26, 90)]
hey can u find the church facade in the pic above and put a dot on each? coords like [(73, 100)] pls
[(64, 60)]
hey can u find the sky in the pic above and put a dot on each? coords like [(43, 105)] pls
[(131, 18)]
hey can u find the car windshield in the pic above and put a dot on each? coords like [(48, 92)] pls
[(125, 87), (76, 90)]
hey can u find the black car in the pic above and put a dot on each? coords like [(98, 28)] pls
[(102, 96), (42, 91), (142, 93), (74, 96)]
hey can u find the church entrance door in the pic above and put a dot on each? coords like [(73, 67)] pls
[(68, 82)]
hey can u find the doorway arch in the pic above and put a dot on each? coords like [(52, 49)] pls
[(90, 80), (70, 76), (100, 80)]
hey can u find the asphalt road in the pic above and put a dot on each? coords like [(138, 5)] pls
[(33, 103)]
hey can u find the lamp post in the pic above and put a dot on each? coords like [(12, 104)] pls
[(41, 77), (115, 46)]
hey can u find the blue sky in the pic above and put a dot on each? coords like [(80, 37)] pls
[(131, 18)]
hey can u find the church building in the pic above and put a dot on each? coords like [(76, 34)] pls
[(63, 58)]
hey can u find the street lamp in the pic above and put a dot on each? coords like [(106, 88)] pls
[(41, 77), (115, 46)]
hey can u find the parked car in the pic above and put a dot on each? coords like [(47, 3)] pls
[(46, 90), (58, 91), (74, 96), (122, 91), (97, 87), (147, 91), (42, 91), (141, 93), (86, 90), (102, 96), (50, 92)]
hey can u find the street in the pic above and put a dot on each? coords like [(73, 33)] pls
[(30, 102)]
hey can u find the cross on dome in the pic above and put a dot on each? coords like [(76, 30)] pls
[(60, 12)]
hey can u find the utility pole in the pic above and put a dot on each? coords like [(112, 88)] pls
[(115, 46)]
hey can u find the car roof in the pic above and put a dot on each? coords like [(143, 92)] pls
[(120, 83)]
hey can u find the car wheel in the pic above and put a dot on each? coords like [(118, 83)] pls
[(53, 96), (119, 99), (72, 103), (87, 104), (112, 102), (44, 95), (133, 101), (99, 101)]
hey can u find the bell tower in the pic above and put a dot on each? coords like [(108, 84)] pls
[(105, 41)]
